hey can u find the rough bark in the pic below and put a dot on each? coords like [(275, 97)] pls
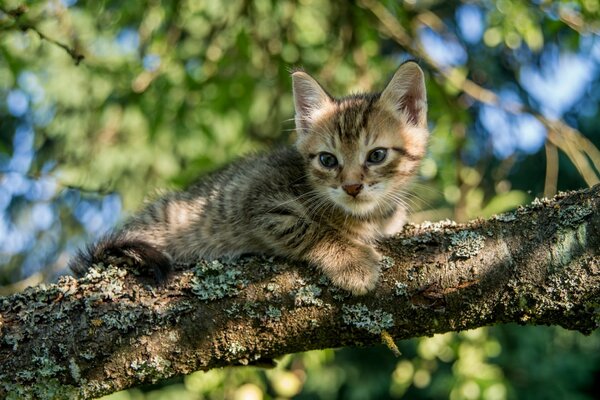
[(112, 330)]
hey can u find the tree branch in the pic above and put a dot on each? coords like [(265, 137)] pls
[(19, 23), (111, 330)]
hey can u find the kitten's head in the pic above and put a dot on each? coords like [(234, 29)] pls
[(363, 149)]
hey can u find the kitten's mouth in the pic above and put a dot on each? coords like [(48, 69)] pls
[(358, 205), (357, 198)]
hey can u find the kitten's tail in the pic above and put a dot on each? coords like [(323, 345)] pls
[(117, 249)]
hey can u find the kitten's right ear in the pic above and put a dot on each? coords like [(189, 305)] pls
[(309, 99), (406, 94)]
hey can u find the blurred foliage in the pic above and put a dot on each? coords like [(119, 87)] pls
[(170, 89)]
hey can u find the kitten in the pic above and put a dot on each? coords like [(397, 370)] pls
[(326, 200)]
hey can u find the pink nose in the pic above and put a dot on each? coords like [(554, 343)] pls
[(353, 190)]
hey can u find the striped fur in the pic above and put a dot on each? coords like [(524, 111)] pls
[(285, 202)]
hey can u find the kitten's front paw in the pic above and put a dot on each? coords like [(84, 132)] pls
[(358, 275)]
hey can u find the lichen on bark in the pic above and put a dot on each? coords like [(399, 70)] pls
[(112, 329)]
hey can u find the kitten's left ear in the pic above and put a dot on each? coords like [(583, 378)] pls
[(309, 99), (406, 94)]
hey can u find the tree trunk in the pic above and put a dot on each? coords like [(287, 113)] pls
[(112, 330)]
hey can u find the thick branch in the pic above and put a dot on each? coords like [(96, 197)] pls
[(112, 330)]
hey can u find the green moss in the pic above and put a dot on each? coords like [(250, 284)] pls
[(151, 370), (308, 296), (236, 348), (99, 272), (13, 340), (87, 355), (40, 389), (400, 289), (438, 226), (466, 244), (26, 375), (122, 319), (175, 310), (574, 215), (273, 313), (387, 262), (40, 382), (234, 310), (112, 289), (506, 217), (74, 369), (569, 243), (426, 237), (374, 321), (272, 287), (323, 281), (250, 309), (46, 367), (213, 281), (339, 294)]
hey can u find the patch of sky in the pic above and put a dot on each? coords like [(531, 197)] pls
[(70, 197), (192, 65), (48, 166), (111, 210), (560, 81), (3, 228), (4, 161), (98, 216), (44, 252), (31, 264), (594, 46), (43, 112), (445, 51), (509, 132), (14, 184), (17, 103), (5, 198), (42, 216), (128, 40), (470, 22), (43, 115), (16, 239), (89, 216), (402, 56), (22, 149), (42, 189), (194, 68), (151, 62), (30, 83), (68, 3)]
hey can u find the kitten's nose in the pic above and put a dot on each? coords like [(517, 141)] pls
[(353, 190)]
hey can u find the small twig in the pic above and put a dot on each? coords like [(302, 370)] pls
[(100, 190), (388, 340), (19, 11), (551, 180), (75, 55), (16, 12)]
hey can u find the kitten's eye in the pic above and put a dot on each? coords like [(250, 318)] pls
[(377, 156), (328, 160)]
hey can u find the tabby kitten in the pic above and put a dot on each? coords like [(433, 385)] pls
[(326, 200)]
